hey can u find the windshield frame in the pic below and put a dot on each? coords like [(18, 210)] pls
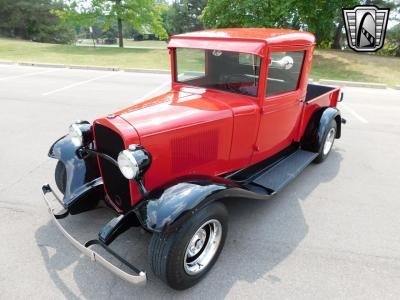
[(177, 82)]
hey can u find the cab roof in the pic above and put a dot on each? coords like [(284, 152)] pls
[(248, 40)]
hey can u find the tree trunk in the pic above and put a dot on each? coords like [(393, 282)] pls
[(337, 37), (119, 20), (120, 37)]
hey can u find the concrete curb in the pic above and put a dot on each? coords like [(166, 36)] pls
[(44, 65), (158, 71), (353, 83), (96, 68), (83, 67), (7, 62)]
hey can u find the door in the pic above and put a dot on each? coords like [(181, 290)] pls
[(283, 104)]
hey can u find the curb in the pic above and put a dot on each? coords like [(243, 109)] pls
[(83, 67), (353, 83), (45, 65), (97, 68), (158, 71), (7, 62)]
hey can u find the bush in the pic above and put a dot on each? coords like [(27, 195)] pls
[(54, 34), (34, 20)]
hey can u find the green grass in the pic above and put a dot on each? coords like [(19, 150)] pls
[(328, 64), (25, 51), (152, 44), (348, 65)]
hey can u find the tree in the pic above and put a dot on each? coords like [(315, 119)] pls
[(393, 39), (142, 15), (324, 18), (249, 13), (183, 16), (34, 20)]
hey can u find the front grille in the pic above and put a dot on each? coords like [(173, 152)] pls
[(117, 186)]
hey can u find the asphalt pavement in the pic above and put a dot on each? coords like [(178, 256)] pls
[(333, 233)]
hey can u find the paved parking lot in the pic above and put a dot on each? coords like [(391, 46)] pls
[(333, 233)]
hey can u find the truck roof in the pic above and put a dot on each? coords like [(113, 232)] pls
[(270, 35), (248, 40)]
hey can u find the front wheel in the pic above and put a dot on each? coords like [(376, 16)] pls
[(329, 139), (182, 258)]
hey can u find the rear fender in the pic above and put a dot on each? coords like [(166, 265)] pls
[(84, 185), (317, 126), (168, 207)]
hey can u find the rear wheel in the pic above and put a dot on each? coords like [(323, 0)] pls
[(329, 139), (182, 258), (61, 176)]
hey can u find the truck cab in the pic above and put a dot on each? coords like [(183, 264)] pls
[(240, 121)]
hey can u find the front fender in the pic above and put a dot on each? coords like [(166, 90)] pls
[(83, 174), (317, 126), (166, 209)]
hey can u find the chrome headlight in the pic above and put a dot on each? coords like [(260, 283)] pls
[(128, 164), (134, 161), (80, 133)]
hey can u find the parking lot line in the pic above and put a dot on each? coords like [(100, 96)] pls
[(355, 114), (26, 75), (78, 83), (154, 91)]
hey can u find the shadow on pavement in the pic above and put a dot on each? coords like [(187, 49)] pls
[(262, 234)]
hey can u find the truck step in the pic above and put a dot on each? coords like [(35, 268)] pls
[(277, 177)]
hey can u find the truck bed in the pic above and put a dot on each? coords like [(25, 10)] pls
[(315, 90)]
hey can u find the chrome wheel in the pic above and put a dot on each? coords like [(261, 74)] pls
[(330, 138), (202, 247)]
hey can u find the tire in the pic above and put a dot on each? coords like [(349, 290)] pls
[(170, 257), (61, 176), (327, 144)]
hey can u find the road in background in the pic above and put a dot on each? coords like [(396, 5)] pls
[(333, 233)]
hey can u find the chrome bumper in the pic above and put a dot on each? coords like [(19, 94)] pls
[(139, 278)]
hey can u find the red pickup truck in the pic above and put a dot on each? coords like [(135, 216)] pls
[(240, 121)]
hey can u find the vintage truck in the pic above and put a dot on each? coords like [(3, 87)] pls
[(240, 122)]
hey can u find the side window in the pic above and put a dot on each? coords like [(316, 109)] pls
[(190, 64), (284, 72), (249, 59)]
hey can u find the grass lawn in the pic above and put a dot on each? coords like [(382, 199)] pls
[(328, 64), (129, 43), (25, 51), (349, 65)]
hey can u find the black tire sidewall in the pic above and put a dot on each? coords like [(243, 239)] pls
[(173, 271), (321, 156)]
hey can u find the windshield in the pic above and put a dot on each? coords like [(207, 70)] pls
[(229, 71)]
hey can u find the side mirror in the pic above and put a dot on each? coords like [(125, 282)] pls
[(285, 63)]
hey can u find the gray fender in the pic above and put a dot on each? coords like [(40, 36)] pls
[(83, 176), (317, 126)]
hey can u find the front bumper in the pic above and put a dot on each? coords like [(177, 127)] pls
[(138, 278)]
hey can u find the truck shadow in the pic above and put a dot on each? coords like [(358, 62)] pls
[(262, 234)]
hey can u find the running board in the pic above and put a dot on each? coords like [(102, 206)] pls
[(276, 178)]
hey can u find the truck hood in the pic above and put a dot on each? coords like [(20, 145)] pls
[(175, 109)]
